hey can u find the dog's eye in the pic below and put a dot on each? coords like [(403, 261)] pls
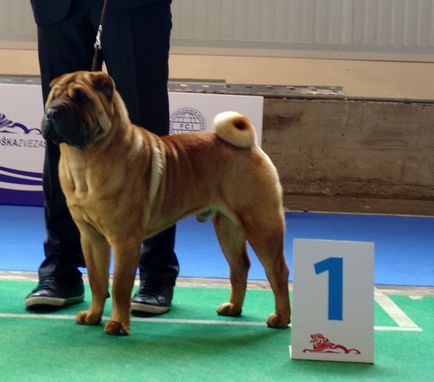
[(80, 97)]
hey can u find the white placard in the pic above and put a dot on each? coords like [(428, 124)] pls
[(191, 112), (22, 146), (333, 301)]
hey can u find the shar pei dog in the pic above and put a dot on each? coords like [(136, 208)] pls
[(123, 184)]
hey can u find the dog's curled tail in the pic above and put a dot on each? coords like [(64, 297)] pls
[(235, 129)]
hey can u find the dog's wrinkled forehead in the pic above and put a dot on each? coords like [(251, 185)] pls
[(78, 84)]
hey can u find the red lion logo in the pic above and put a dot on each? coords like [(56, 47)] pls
[(321, 344)]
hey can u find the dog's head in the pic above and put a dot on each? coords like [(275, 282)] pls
[(80, 108)]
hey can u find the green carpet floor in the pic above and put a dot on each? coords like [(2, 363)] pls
[(53, 348)]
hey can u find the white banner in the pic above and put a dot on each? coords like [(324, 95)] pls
[(22, 146)]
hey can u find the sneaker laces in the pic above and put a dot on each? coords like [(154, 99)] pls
[(148, 288), (48, 283)]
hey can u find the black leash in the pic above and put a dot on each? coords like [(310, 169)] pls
[(97, 56)]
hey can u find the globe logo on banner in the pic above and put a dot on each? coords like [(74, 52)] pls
[(186, 120), (19, 145)]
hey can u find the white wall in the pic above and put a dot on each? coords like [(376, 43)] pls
[(17, 28), (322, 28)]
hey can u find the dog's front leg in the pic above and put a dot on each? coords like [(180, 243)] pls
[(96, 251), (126, 255)]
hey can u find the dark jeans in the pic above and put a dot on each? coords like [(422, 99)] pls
[(136, 51)]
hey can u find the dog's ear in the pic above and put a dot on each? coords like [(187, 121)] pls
[(104, 83), (57, 79), (53, 82)]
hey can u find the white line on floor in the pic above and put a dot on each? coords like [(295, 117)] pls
[(397, 329), (394, 311), (416, 298), (184, 321)]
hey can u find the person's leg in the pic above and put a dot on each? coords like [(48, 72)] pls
[(136, 52), (63, 47)]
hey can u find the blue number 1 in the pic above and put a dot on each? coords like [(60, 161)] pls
[(334, 265)]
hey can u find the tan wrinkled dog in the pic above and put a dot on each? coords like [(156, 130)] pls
[(123, 184)]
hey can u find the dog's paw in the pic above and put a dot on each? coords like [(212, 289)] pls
[(87, 318), (228, 309), (277, 321), (115, 328)]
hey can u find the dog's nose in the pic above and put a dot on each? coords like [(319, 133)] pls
[(51, 114), (49, 122)]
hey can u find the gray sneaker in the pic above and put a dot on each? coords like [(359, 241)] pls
[(50, 294), (152, 298)]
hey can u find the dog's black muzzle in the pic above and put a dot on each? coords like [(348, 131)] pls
[(49, 126), (60, 126)]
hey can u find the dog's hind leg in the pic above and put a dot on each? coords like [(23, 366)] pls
[(265, 233), (126, 255), (96, 251), (233, 244)]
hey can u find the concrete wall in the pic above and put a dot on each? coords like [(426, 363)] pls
[(352, 148)]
